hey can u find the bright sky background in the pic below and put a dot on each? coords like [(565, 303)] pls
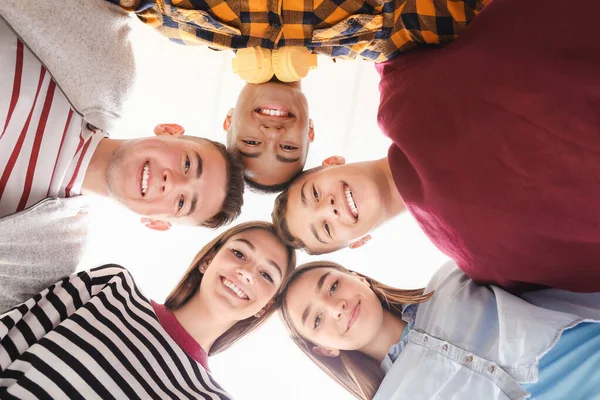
[(194, 86)]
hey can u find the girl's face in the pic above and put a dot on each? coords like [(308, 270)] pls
[(244, 275), (334, 310)]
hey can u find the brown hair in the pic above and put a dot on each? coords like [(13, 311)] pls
[(234, 197), (192, 279), (280, 208), (358, 373)]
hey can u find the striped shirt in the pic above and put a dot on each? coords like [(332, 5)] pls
[(376, 30), (95, 336), (45, 147)]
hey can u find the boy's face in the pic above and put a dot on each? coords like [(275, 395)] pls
[(332, 207), (271, 129), (169, 178)]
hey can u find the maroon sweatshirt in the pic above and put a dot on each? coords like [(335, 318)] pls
[(497, 143)]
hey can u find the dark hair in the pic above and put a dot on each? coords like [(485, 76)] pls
[(234, 197), (357, 372), (192, 279), (278, 216)]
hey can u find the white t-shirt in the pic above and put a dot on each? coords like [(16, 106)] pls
[(45, 147)]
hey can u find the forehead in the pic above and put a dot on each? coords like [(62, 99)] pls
[(267, 170), (304, 291)]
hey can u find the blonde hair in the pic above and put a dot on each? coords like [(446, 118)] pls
[(357, 372), (192, 279)]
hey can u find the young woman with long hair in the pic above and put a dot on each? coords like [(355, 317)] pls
[(95, 335), (453, 339)]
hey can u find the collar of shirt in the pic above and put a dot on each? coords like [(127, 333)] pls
[(180, 335), (409, 312)]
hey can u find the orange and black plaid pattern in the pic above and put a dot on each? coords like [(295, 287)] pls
[(372, 29)]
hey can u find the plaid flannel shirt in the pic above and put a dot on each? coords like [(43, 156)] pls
[(371, 29)]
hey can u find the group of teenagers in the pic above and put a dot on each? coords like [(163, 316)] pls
[(493, 110)]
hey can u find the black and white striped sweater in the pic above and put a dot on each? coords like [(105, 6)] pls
[(95, 336)]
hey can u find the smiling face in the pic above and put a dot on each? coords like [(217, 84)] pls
[(330, 208), (244, 275), (169, 178), (271, 129), (334, 309)]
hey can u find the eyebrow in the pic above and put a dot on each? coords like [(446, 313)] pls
[(316, 234), (302, 196), (249, 155), (287, 160), (273, 263), (198, 174), (320, 284)]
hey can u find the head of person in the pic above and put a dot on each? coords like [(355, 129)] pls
[(176, 178), (237, 275), (333, 314), (271, 129), (333, 206)]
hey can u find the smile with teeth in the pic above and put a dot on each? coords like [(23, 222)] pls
[(350, 201), (234, 288), (273, 112), (145, 175)]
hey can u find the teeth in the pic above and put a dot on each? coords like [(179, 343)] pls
[(145, 174), (274, 113), (351, 202), (240, 293)]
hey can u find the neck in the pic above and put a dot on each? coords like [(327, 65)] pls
[(202, 325), (95, 175), (391, 199), (389, 334)]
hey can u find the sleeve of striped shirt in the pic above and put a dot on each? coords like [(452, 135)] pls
[(24, 325)]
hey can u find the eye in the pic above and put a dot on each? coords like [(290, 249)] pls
[(326, 226), (288, 147), (237, 254), (181, 203), (315, 194), (334, 287), (267, 276), (188, 164), (317, 322), (251, 142)]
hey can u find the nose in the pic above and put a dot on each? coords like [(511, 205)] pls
[(272, 131), (330, 207), (245, 276), (338, 308), (169, 181)]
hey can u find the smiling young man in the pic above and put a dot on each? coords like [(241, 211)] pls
[(499, 165), (271, 129), (54, 140)]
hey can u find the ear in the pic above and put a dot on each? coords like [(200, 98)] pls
[(334, 160), (361, 278), (227, 120), (311, 131), (169, 129), (265, 309), (155, 224), (325, 352), (360, 242)]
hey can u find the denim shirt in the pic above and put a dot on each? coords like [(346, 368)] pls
[(479, 342)]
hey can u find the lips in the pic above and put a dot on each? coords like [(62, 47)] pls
[(353, 316), (145, 179), (275, 113), (234, 288), (350, 203)]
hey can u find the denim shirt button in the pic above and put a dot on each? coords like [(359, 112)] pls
[(491, 369), (469, 359), (425, 339), (445, 347)]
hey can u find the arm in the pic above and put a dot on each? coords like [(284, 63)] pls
[(42, 313), (182, 24), (39, 246)]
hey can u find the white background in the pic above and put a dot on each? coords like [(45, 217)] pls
[(194, 86)]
